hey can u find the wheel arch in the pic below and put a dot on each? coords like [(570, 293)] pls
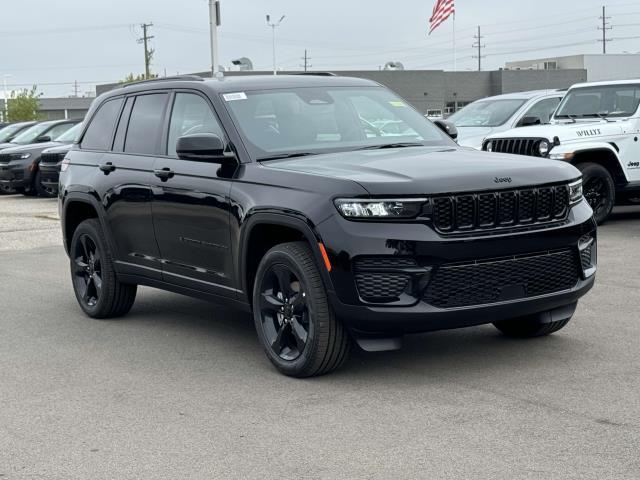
[(606, 156), (261, 232), (78, 207)]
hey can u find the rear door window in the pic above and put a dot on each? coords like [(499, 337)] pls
[(145, 124), (100, 131)]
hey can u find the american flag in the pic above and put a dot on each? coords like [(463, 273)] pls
[(441, 11)]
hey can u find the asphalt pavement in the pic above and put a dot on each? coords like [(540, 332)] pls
[(181, 389)]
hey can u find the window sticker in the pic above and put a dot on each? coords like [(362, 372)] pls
[(230, 97), (397, 103)]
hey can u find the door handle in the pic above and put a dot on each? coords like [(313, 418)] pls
[(163, 174), (107, 168)]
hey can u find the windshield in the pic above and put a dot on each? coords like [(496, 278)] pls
[(599, 101), (327, 119), (30, 134), (486, 113), (9, 131), (70, 135)]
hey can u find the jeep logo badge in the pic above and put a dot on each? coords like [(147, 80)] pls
[(502, 180)]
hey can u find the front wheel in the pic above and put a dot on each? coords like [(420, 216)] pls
[(294, 320), (97, 288), (598, 189)]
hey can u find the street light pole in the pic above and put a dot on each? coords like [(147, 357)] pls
[(273, 37), (6, 100), (214, 23)]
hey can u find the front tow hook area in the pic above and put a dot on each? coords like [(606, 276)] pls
[(378, 344)]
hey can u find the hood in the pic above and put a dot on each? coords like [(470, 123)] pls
[(569, 132), (473, 136), (429, 170), (33, 148), (60, 148)]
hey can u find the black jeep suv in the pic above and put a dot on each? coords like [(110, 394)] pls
[(283, 196)]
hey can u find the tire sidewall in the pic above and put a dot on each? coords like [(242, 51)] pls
[(593, 170), (92, 229), (281, 256)]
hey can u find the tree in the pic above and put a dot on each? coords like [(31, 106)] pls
[(24, 105), (135, 78)]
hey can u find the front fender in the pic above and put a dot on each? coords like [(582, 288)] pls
[(568, 151)]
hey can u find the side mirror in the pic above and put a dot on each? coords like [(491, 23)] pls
[(447, 127), (203, 147), (529, 121), (43, 139)]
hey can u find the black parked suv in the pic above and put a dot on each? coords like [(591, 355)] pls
[(20, 165), (281, 196)]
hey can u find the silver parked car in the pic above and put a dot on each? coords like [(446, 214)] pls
[(491, 115)]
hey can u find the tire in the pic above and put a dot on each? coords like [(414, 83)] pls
[(289, 271), (39, 188), (92, 262), (529, 327), (599, 190)]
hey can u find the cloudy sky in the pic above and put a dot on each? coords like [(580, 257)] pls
[(55, 43)]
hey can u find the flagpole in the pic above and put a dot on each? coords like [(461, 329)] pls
[(455, 62)]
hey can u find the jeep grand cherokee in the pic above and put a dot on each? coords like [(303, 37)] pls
[(281, 196)]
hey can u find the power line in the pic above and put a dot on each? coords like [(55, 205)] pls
[(605, 26), (478, 44), (306, 59), (148, 52)]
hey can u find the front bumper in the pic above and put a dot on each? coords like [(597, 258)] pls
[(347, 242), (50, 176), (14, 176)]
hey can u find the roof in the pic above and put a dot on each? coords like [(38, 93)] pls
[(522, 95), (250, 82), (605, 83)]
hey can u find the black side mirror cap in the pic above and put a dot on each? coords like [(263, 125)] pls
[(529, 121), (203, 147), (447, 127), (43, 139)]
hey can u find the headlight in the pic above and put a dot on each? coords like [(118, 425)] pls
[(387, 208), (575, 192), (543, 148), (23, 156), (489, 146)]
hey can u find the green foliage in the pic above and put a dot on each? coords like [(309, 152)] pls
[(24, 105), (135, 78)]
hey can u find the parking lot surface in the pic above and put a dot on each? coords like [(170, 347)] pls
[(181, 389)]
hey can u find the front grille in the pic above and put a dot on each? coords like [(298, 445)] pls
[(51, 158), (490, 281), (517, 146), (376, 280), (502, 209), (5, 157)]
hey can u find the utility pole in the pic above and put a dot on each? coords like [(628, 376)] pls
[(604, 28), (273, 29), (76, 90), (478, 44), (214, 23), (148, 52), (306, 59)]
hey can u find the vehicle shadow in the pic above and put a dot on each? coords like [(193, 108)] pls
[(462, 353), (624, 214)]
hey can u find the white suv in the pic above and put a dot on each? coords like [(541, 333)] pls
[(597, 128), (497, 114)]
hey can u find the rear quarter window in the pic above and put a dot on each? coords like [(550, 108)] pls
[(100, 131)]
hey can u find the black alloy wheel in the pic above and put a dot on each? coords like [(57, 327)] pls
[(598, 190), (87, 277), (294, 319), (285, 312)]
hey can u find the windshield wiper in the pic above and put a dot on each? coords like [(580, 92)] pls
[(392, 145), (285, 155), (569, 116), (602, 115)]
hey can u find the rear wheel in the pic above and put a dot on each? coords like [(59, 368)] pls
[(98, 290), (295, 323), (599, 189)]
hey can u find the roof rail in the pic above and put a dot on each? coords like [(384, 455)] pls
[(193, 78), (318, 74)]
